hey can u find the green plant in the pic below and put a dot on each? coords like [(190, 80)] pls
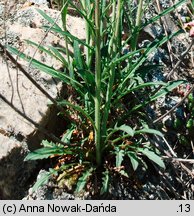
[(183, 121), (110, 99)]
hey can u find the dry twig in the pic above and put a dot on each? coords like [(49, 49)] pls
[(177, 105)]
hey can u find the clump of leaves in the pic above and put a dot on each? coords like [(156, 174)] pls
[(110, 96)]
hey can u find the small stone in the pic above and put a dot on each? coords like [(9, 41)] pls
[(151, 197), (30, 191)]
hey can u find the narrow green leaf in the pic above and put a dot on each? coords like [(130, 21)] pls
[(52, 51), (126, 56), (67, 136), (49, 70), (48, 144), (126, 129), (44, 178), (149, 131), (58, 55), (123, 173), (40, 47), (89, 104), (134, 160), (83, 180), (164, 12), (119, 157), (72, 37), (90, 23), (64, 13), (140, 86), (46, 152), (77, 55), (49, 19), (105, 182), (152, 156), (168, 88), (145, 55), (88, 77), (41, 181), (79, 109)]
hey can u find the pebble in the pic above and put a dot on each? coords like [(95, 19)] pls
[(165, 4)]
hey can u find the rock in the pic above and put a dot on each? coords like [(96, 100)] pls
[(46, 192), (40, 2), (165, 3), (7, 144), (16, 88), (21, 93), (14, 173)]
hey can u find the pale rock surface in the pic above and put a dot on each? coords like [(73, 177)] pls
[(16, 88), (7, 145)]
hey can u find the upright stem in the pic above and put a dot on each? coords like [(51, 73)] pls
[(139, 13), (137, 26), (64, 20), (118, 26), (110, 49), (115, 45), (98, 83), (87, 10)]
